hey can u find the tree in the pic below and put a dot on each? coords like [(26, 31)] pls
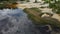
[(55, 5)]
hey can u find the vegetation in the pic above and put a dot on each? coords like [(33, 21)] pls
[(35, 1), (55, 5), (36, 9), (2, 6), (5, 4), (9, 3), (38, 21), (8, 0), (46, 1), (42, 7)]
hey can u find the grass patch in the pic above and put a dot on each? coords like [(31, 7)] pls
[(36, 9)]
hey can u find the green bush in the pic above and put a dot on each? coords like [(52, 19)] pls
[(2, 6)]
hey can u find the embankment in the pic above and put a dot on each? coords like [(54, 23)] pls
[(8, 5), (34, 15)]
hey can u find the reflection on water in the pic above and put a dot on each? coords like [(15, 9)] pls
[(15, 21)]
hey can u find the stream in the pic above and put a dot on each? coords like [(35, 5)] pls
[(15, 21)]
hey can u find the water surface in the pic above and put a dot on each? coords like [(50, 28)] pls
[(15, 21)]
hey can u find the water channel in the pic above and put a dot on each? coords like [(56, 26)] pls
[(15, 21)]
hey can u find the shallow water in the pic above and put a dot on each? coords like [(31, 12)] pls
[(15, 21)]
